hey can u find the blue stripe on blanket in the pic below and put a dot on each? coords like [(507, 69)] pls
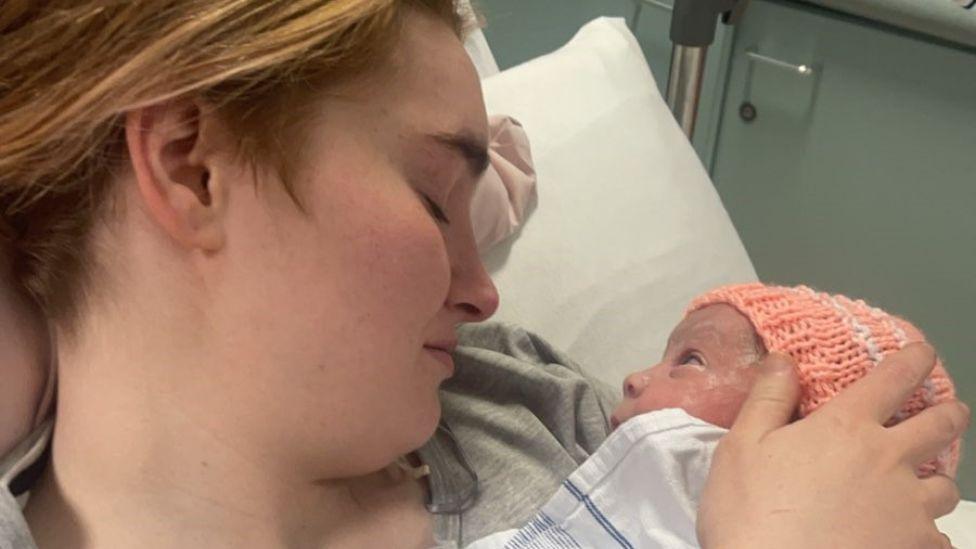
[(610, 529), (542, 533)]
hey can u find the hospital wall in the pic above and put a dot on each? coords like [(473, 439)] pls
[(859, 177)]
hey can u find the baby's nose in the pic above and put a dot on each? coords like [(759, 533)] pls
[(634, 385)]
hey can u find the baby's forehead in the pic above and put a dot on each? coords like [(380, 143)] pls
[(719, 324)]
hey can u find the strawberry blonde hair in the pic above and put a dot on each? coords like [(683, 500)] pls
[(71, 69)]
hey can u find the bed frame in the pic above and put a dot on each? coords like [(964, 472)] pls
[(692, 32)]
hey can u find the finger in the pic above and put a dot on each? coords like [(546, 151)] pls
[(940, 495), (772, 400), (923, 436), (946, 542), (887, 387)]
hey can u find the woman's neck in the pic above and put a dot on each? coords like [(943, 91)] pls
[(137, 463)]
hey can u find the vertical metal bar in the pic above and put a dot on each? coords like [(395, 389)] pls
[(684, 85)]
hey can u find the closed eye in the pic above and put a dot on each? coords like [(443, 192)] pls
[(436, 210)]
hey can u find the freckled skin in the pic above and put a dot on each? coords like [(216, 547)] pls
[(706, 369)]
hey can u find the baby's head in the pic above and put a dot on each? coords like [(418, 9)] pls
[(706, 368), (834, 341)]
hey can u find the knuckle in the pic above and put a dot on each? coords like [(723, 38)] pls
[(965, 412), (952, 495), (947, 425), (910, 364), (952, 421), (844, 425), (942, 495), (768, 399), (903, 373)]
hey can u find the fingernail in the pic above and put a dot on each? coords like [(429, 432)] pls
[(921, 346)]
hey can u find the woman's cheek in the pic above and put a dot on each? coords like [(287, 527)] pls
[(423, 262)]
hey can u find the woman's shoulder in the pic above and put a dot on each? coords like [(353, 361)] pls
[(19, 468)]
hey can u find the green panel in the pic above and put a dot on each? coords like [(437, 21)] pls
[(861, 179), (519, 30)]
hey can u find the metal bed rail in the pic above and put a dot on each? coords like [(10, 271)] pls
[(692, 32)]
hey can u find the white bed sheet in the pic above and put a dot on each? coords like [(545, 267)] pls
[(960, 525), (628, 228)]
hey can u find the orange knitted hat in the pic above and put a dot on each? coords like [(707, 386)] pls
[(834, 341)]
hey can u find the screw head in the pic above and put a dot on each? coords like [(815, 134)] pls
[(747, 111)]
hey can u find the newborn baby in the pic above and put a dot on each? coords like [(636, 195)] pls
[(706, 370), (674, 413)]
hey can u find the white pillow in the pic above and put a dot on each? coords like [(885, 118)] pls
[(628, 227), (475, 42)]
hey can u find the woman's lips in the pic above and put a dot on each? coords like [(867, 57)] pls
[(443, 357)]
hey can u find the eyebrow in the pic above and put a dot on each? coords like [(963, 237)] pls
[(686, 334), (472, 150)]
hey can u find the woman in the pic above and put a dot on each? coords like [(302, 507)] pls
[(248, 221)]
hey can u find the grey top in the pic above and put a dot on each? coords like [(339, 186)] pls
[(525, 416), (518, 418), (944, 19)]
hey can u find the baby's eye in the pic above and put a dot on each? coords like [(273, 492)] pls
[(692, 358)]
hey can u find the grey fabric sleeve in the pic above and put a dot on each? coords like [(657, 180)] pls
[(522, 416), (13, 529)]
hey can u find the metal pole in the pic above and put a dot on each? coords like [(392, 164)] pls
[(685, 83), (693, 31)]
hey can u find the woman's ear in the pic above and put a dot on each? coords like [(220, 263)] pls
[(170, 149)]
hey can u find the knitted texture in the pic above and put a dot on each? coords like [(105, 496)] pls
[(834, 342)]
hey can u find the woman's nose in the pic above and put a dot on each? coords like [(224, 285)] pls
[(635, 384), (473, 293)]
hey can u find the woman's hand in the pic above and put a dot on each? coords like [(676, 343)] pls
[(837, 478)]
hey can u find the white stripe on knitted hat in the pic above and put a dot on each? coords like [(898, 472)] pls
[(865, 336), (928, 389), (887, 319), (861, 332)]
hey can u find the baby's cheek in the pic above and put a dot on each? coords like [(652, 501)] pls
[(661, 394), (719, 405)]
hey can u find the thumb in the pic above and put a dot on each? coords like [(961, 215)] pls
[(772, 400)]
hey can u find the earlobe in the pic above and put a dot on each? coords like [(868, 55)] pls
[(167, 149)]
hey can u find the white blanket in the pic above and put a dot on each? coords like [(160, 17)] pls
[(641, 490)]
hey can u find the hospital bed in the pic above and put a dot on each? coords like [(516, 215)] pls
[(628, 227)]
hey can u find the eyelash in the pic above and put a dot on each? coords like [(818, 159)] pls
[(691, 355), (436, 210)]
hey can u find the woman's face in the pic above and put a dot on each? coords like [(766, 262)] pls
[(340, 322), (705, 369)]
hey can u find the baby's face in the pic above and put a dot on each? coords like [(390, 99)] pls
[(705, 370)]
